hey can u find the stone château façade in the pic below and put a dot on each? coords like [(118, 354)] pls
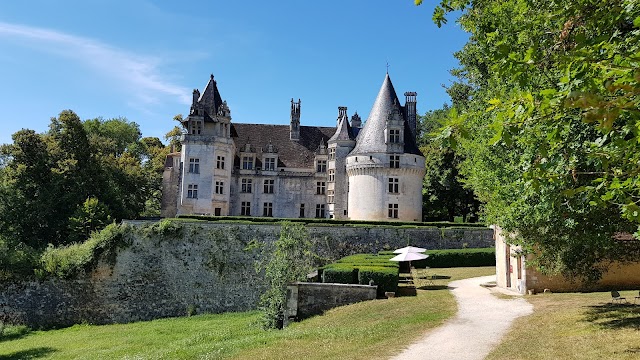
[(353, 171)]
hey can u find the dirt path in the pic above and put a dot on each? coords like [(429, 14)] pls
[(480, 323)]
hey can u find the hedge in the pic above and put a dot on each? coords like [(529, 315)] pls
[(333, 222), (385, 277), (455, 258), (340, 274)]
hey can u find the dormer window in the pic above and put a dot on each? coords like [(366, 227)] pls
[(247, 162), (195, 127), (394, 136), (270, 164), (321, 166)]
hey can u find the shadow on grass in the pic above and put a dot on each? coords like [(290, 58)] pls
[(28, 354), (14, 333), (614, 316), (434, 287)]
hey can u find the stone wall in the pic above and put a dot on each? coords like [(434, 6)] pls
[(201, 268), (308, 299)]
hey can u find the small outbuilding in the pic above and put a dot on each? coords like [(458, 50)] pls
[(513, 273)]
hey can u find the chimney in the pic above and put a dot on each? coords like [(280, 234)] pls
[(342, 113), (294, 128), (410, 111)]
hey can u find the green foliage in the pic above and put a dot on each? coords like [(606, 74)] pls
[(59, 186), (163, 228), (70, 260), (361, 269), (453, 258), (17, 260), (290, 261), (385, 277), (89, 217), (340, 274), (550, 131)]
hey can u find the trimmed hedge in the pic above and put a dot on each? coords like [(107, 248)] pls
[(455, 258), (361, 269), (340, 274), (332, 222), (385, 277)]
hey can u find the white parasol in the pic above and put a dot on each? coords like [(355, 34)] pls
[(409, 249)]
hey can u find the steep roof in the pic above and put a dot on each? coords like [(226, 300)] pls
[(343, 131), (371, 138), (210, 98), (293, 154)]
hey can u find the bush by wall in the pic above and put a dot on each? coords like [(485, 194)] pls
[(68, 261), (455, 258)]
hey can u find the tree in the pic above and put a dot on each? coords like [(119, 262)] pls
[(444, 195), (291, 261), (550, 131)]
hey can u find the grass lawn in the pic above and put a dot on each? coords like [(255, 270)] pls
[(372, 329), (574, 326)]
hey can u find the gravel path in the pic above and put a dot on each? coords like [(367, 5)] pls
[(480, 323)]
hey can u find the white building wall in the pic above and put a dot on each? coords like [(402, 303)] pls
[(368, 195)]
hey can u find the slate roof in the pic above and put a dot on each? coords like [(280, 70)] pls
[(210, 98), (343, 131), (371, 138), (293, 154)]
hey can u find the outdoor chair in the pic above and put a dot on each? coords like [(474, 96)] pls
[(615, 296)]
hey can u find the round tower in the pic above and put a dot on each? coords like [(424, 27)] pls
[(386, 168)]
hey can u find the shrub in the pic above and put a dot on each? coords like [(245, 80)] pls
[(68, 261), (341, 274), (385, 277)]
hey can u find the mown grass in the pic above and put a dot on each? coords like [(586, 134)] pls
[(373, 329), (574, 326)]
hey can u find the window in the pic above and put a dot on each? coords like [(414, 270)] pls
[(245, 208), (195, 127), (270, 164), (393, 211), (194, 166), (394, 161), (394, 136), (220, 163), (217, 211), (332, 175), (192, 191), (321, 166), (393, 185), (330, 197), (268, 186), (246, 185), (247, 162), (320, 187), (320, 211), (267, 209), (301, 210), (219, 187), (332, 153)]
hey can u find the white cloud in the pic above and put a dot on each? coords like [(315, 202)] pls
[(139, 74)]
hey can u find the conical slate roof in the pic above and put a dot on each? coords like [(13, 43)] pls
[(343, 131), (210, 98), (371, 137)]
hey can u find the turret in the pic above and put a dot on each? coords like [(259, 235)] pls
[(410, 111), (294, 128), (356, 121)]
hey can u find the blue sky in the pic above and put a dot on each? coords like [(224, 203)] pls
[(141, 59)]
